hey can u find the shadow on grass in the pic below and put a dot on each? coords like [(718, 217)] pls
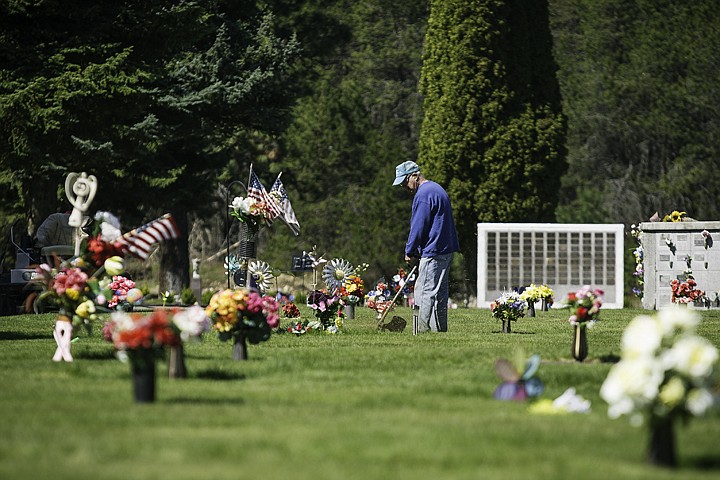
[(514, 333), (204, 401), (611, 358), (22, 336), (219, 375), (94, 354), (704, 463)]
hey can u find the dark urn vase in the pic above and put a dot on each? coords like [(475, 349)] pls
[(176, 362), (240, 348), (531, 309), (580, 346), (661, 446), (143, 376), (506, 326)]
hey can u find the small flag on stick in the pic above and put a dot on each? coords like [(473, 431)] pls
[(257, 191), (140, 241)]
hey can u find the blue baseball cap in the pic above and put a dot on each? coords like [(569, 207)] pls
[(403, 170)]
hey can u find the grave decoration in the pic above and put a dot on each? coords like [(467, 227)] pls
[(516, 385), (666, 373), (243, 316), (92, 282), (568, 402), (509, 307), (585, 310), (402, 281), (139, 340), (535, 293)]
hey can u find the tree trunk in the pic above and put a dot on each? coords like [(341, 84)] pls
[(175, 258)]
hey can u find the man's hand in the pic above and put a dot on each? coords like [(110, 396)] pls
[(410, 260)]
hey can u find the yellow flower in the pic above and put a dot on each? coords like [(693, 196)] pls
[(85, 309), (672, 392), (115, 265), (675, 216), (72, 294)]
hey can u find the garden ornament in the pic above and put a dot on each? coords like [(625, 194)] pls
[(80, 190)]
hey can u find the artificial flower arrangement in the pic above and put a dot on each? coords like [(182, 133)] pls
[(685, 292), (379, 295), (666, 372), (328, 309), (535, 293), (639, 272), (508, 307), (243, 314), (290, 310), (251, 212), (674, 216), (585, 306), (82, 286), (401, 281), (352, 290), (139, 338)]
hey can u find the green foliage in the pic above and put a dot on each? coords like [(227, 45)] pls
[(493, 133), (358, 119), (187, 296), (640, 92), (346, 406)]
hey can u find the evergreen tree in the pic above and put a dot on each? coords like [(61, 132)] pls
[(493, 132), (357, 119), (152, 97), (639, 82)]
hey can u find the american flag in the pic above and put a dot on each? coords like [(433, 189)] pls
[(288, 214), (257, 191), (140, 241)]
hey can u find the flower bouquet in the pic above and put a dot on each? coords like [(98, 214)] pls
[(535, 293), (251, 212), (140, 340), (685, 292), (508, 308), (328, 310), (585, 309), (666, 372), (401, 281), (242, 315)]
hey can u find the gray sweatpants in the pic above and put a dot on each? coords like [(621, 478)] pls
[(431, 293)]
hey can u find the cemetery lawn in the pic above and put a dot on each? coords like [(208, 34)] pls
[(361, 405)]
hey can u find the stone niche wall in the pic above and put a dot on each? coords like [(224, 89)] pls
[(662, 265), (563, 256)]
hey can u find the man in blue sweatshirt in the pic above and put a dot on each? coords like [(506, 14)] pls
[(433, 240)]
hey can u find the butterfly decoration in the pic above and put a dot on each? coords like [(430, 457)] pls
[(516, 386)]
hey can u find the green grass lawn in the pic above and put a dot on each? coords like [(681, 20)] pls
[(362, 405)]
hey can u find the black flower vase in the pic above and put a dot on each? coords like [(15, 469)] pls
[(544, 305), (531, 309), (579, 346), (240, 348), (506, 326), (661, 447), (143, 376), (176, 362)]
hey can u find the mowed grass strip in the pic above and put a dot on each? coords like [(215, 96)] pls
[(361, 405)]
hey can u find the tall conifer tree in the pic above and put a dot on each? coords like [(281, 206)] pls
[(493, 130)]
